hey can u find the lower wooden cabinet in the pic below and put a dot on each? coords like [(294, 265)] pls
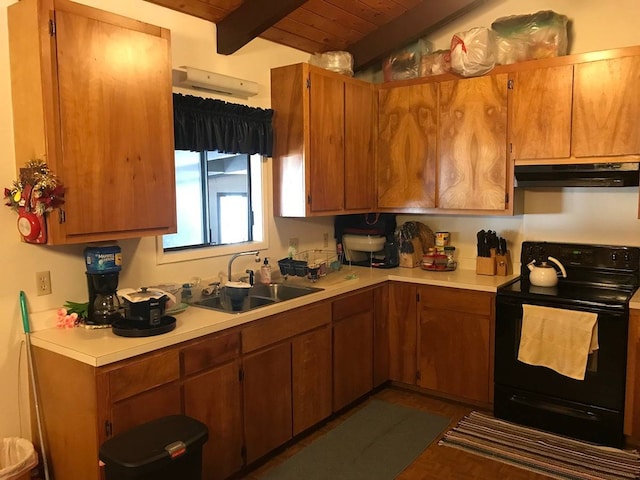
[(381, 351), (147, 406), (258, 385), (286, 376), (441, 339), (352, 348), (632, 399), (456, 342), (311, 378), (403, 332), (215, 398), (212, 394), (267, 400)]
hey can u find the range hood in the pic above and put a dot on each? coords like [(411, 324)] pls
[(578, 175)]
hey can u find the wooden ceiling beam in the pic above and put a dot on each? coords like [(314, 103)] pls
[(415, 23), (249, 21)]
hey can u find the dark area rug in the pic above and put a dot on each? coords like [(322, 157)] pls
[(375, 443), (552, 455)]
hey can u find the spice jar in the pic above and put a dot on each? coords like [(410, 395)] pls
[(450, 253)]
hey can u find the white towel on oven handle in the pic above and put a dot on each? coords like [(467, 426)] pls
[(557, 338)]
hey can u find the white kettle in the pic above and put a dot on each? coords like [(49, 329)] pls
[(545, 275)]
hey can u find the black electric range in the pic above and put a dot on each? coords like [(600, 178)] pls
[(600, 279)]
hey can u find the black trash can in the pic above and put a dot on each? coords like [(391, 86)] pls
[(169, 448)]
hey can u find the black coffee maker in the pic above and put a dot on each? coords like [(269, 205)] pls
[(103, 269), (374, 224)]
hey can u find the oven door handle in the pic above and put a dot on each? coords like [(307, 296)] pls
[(562, 409)]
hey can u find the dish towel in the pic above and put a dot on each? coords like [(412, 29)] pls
[(558, 339)]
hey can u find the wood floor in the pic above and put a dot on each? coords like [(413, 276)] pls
[(436, 462)]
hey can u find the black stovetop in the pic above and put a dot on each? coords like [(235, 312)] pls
[(597, 275)]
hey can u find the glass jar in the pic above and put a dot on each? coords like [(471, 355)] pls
[(450, 253)]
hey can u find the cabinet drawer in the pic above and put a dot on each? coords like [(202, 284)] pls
[(467, 301), (144, 374), (285, 325), (353, 305), (210, 352)]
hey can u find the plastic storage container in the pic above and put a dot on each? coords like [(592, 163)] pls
[(164, 449), (17, 458)]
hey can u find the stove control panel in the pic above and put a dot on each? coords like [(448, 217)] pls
[(582, 257)]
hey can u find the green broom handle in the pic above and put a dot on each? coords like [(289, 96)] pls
[(25, 314)]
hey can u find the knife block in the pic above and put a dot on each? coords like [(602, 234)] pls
[(412, 259), (486, 265), (503, 264)]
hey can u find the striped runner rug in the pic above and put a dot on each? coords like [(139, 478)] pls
[(552, 455)]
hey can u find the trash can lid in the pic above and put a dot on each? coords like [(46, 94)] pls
[(153, 443)]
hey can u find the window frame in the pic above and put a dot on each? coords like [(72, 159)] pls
[(214, 251)]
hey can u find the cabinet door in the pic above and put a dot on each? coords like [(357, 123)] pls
[(147, 406), (540, 126), (632, 396), (472, 141), (381, 351), (267, 400), (606, 108), (325, 183), (406, 153), (116, 126), (454, 347), (403, 332), (97, 106), (311, 368), (352, 358), (215, 399), (359, 156)]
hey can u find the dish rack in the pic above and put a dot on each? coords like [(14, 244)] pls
[(312, 264)]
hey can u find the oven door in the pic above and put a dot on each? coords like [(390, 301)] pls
[(591, 409), (604, 381)]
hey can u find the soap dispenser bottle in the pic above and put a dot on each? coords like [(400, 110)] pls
[(265, 272)]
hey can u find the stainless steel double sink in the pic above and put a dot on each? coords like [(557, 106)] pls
[(257, 296)]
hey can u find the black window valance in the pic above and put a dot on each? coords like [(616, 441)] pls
[(206, 124)]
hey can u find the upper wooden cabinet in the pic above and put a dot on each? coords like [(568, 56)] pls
[(323, 153), (472, 143), (92, 97), (571, 109), (541, 113), (406, 154), (606, 108)]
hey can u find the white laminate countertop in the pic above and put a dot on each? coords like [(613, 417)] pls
[(100, 347)]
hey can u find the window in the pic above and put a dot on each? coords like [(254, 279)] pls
[(218, 201)]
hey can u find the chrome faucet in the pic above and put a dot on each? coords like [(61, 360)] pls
[(236, 255)]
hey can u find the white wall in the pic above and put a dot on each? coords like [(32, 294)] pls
[(560, 215)]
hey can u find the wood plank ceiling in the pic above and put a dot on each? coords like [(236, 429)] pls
[(368, 29)]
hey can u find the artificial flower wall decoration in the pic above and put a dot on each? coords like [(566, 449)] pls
[(37, 189)]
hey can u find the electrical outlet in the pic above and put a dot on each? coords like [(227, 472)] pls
[(43, 283), (293, 242), (325, 240)]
